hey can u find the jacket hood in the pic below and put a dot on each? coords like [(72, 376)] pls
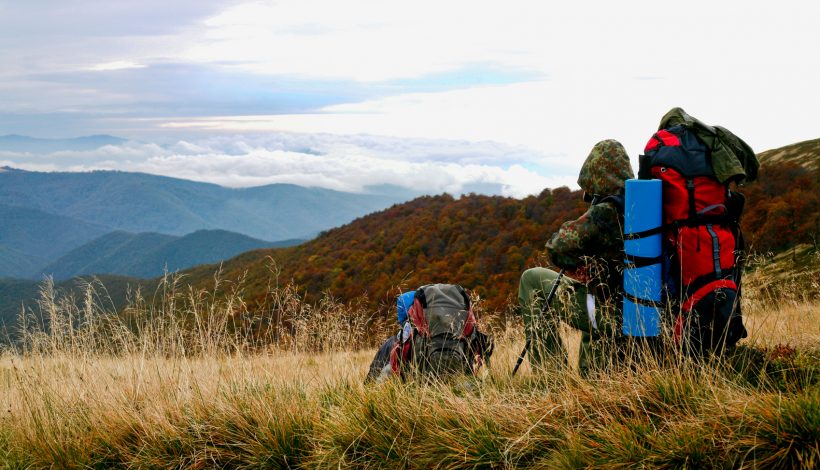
[(605, 169)]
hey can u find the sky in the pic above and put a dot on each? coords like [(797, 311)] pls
[(503, 97)]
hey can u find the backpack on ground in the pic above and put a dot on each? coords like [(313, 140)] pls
[(702, 243), (443, 338)]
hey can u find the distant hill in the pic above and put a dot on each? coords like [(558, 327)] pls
[(14, 263), (30, 238), (137, 202), (111, 253), (14, 293), (21, 143), (805, 154), (147, 255)]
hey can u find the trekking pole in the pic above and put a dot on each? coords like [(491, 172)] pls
[(543, 312)]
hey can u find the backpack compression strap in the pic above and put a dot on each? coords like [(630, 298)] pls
[(632, 261), (698, 219)]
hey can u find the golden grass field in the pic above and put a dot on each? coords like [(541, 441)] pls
[(71, 400)]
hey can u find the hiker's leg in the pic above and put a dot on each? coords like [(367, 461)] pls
[(586, 356), (600, 331), (601, 353), (543, 330)]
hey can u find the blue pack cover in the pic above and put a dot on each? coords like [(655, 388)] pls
[(642, 285), (403, 304)]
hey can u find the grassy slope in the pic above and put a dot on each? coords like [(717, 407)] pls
[(180, 389), (295, 410)]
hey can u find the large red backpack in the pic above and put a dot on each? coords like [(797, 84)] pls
[(702, 240)]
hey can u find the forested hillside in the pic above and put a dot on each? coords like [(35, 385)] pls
[(29, 238), (783, 205), (147, 255), (480, 242)]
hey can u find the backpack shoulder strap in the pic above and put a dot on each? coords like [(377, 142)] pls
[(616, 199), (465, 296), (417, 317)]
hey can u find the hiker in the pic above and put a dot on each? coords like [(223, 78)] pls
[(438, 338), (590, 251), (697, 273)]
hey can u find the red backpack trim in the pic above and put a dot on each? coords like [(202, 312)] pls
[(699, 294), (662, 137), (417, 318)]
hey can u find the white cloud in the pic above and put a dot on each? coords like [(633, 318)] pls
[(373, 40), (346, 163), (562, 118), (116, 65), (367, 40)]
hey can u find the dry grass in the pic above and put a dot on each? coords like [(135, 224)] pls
[(179, 383), (797, 325)]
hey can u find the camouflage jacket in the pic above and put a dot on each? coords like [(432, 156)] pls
[(591, 247)]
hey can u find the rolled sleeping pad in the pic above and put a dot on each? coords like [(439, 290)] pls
[(642, 276)]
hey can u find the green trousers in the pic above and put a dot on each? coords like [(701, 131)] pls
[(600, 341)]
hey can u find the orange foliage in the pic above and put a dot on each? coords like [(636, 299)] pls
[(782, 208), (480, 242)]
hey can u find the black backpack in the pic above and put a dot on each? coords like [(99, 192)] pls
[(444, 330)]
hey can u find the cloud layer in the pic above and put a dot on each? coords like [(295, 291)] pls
[(355, 163)]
